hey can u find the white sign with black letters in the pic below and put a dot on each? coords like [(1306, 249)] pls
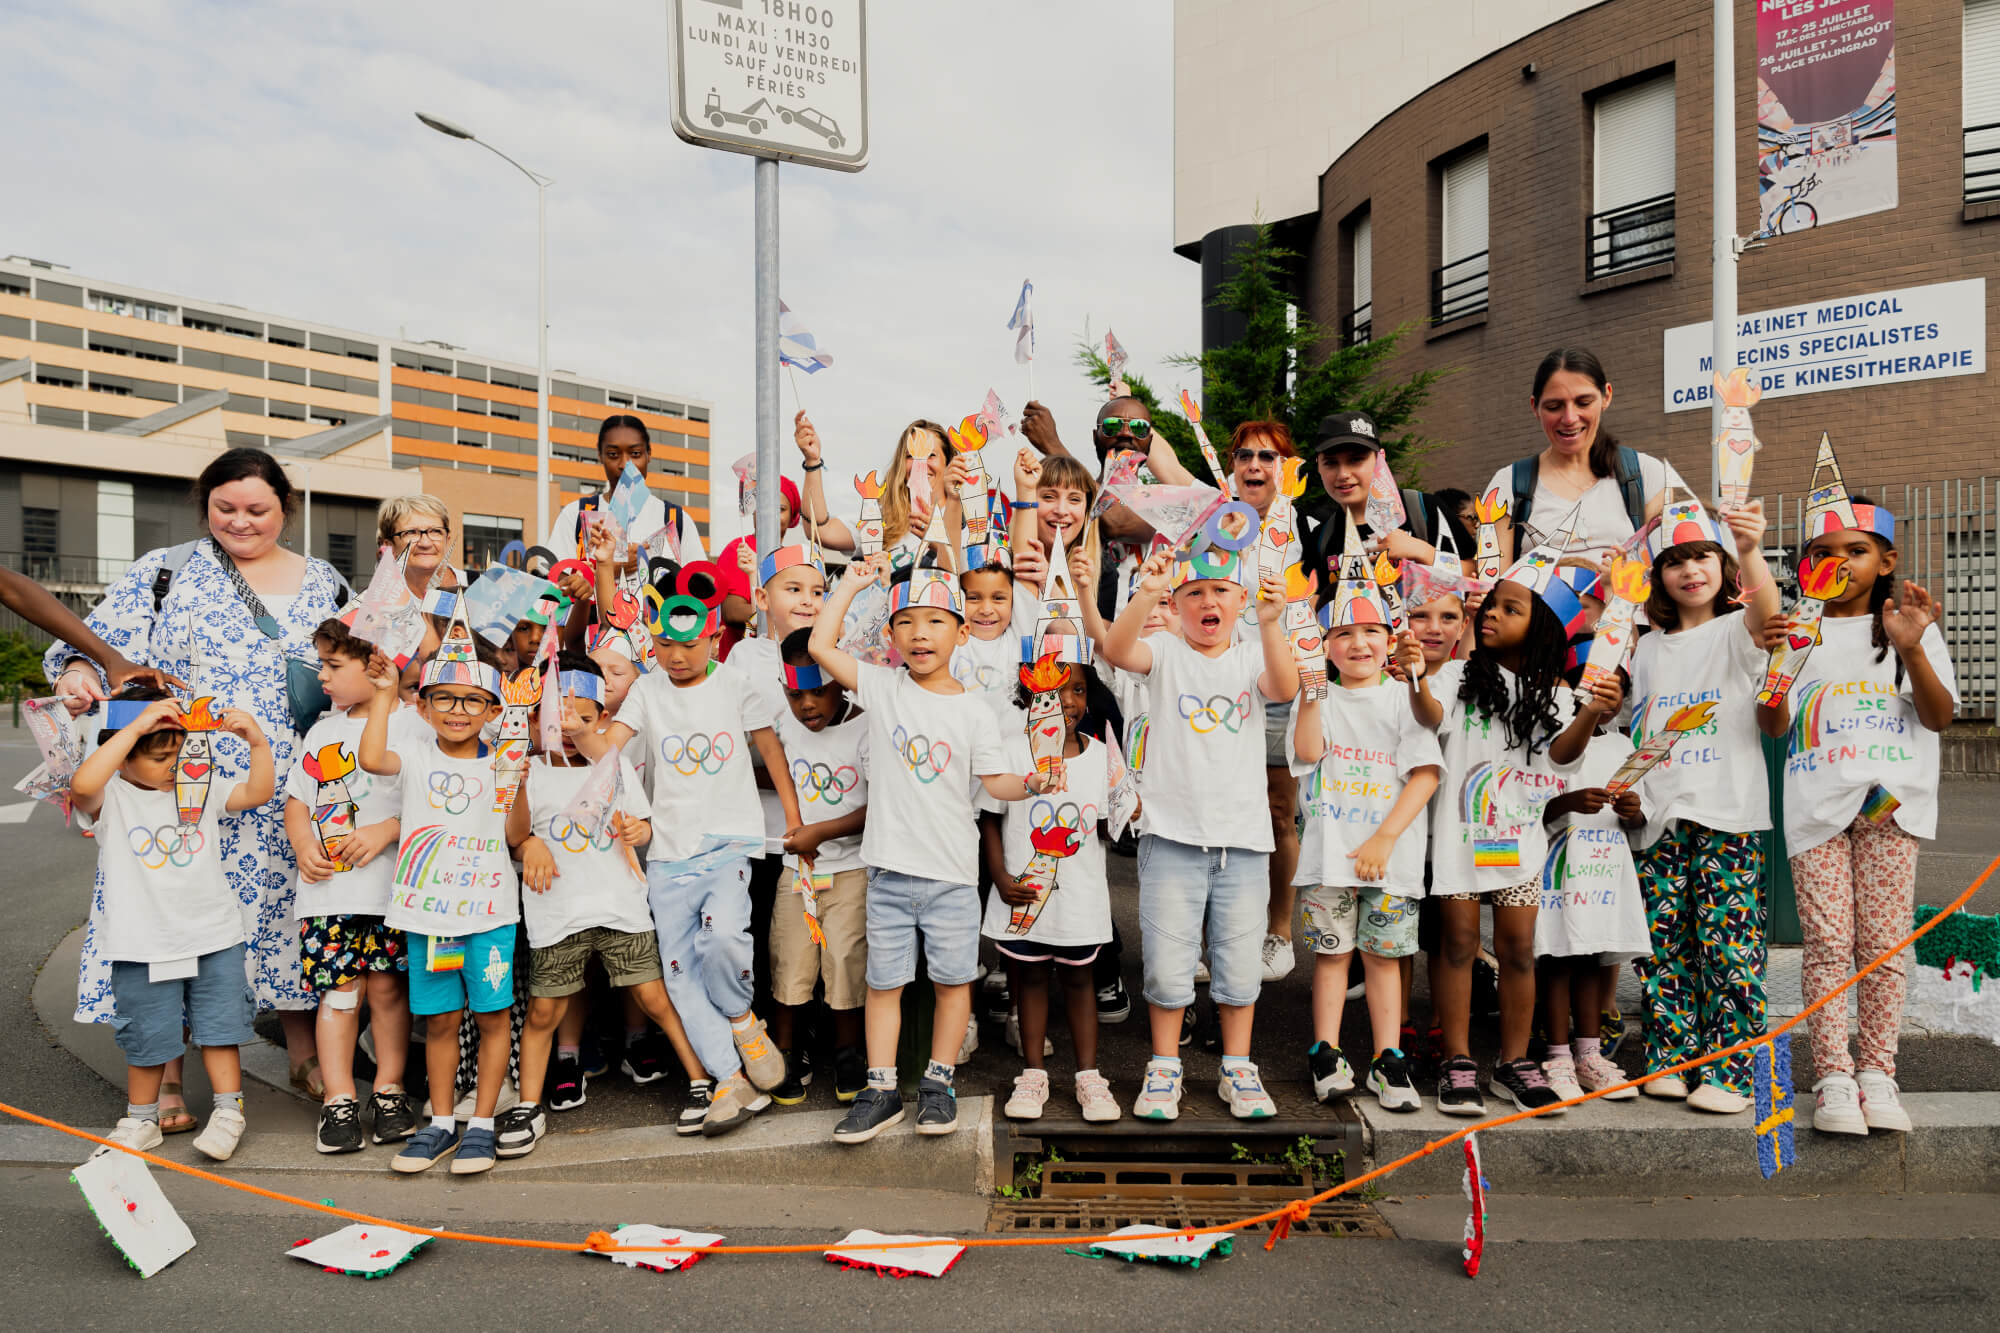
[(782, 79)]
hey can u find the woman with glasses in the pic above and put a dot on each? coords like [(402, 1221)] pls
[(419, 527)]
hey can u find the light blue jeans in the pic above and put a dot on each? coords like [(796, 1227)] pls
[(1181, 888), (900, 907), (705, 954)]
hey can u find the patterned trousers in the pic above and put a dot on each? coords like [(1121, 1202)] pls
[(1704, 983), (1857, 894)]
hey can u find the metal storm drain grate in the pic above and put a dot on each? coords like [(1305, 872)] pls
[(1336, 1217)]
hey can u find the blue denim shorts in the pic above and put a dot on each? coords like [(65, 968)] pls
[(900, 907), (484, 984), (1181, 889), (215, 1003)]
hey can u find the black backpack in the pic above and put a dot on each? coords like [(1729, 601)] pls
[(1631, 486)]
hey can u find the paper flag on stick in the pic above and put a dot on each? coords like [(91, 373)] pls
[(132, 1210), (1114, 360), (1630, 580), (61, 749), (1165, 1247), (640, 1234), (809, 886), (1656, 747), (930, 1260), (1177, 513), (1736, 443), (1820, 582), (1192, 412), (994, 418), (1052, 844), (362, 1249), (1475, 1194), (500, 598), (1121, 469), (593, 809), (388, 614), (1023, 323), (1384, 510), (1490, 508), (1826, 507), (1771, 1076), (745, 469), (796, 345)]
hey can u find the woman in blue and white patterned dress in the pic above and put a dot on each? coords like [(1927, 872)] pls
[(203, 632)]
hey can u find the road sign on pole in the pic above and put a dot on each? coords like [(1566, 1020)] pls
[(782, 79)]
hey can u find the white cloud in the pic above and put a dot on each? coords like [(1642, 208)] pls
[(268, 156)]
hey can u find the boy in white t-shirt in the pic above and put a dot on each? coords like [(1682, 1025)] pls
[(454, 895), (699, 723), (340, 820), (172, 928), (1205, 840), (928, 738)]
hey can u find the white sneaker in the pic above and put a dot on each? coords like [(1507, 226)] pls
[(1243, 1092), (1880, 1106), (1014, 1036), (1717, 1100), (1667, 1087), (1561, 1072), (1031, 1093), (1594, 1072), (1838, 1110), (1093, 1094), (1201, 971), (144, 1135), (1160, 1097), (510, 1097), (971, 1042), (223, 1132), (1278, 957)]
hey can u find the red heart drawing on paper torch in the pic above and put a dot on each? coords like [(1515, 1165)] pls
[(194, 771), (1799, 641)]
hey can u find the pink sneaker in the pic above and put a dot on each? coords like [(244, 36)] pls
[(1093, 1096), (1031, 1093), (1594, 1072)]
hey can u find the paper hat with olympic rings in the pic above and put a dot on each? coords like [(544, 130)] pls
[(582, 685), (681, 618), (927, 587), (1357, 598), (1683, 519), (474, 675), (790, 557), (1537, 572), (1219, 563), (807, 676)]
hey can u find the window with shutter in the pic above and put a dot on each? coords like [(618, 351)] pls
[(1361, 315), (1458, 286), (1632, 178), (1981, 78)]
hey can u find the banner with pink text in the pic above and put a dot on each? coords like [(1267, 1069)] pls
[(1826, 112)]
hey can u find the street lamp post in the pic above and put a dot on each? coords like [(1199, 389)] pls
[(541, 184)]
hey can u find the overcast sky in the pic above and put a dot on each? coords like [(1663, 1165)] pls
[(267, 155)]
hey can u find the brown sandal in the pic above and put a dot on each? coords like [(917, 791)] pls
[(175, 1119), (307, 1080)]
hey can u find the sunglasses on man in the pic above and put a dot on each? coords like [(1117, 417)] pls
[(1110, 427)]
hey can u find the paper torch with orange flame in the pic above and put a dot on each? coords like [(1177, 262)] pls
[(510, 750), (1389, 578), (1820, 581), (1629, 583), (1303, 630), (1044, 679), (333, 809), (1051, 845), (1489, 508), (1192, 411), (969, 438), (1680, 722), (809, 886), (195, 763), (1280, 521), (868, 527)]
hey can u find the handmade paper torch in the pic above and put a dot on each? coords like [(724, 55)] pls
[(1657, 746), (1490, 508), (1819, 583), (969, 438), (195, 764), (809, 887), (1051, 844), (1303, 630), (519, 694), (868, 528), (1630, 580), (1044, 679), (1192, 412), (1389, 576), (1736, 443), (924, 462), (333, 808), (1280, 521)]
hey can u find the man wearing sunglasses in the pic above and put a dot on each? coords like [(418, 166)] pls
[(1122, 423)]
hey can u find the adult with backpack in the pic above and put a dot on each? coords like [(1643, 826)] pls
[(1583, 461), (232, 614), (1344, 454)]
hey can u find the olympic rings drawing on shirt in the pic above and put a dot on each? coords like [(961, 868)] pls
[(979, 675), (574, 838), (169, 844), (926, 759), (1218, 710), (1044, 814), (823, 782), (453, 793), (698, 753)]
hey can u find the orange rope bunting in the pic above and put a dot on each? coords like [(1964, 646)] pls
[(1282, 1218)]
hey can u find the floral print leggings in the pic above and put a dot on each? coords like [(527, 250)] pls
[(1857, 896), (1704, 984)]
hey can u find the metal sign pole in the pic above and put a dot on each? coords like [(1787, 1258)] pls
[(1722, 295), (768, 534)]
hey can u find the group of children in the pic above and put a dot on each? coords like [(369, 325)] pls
[(955, 780)]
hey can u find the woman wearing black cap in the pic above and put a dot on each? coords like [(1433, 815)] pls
[(1344, 452)]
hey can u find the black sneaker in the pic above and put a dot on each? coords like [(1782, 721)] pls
[(1485, 990), (1389, 1080), (1458, 1087), (1523, 1083), (340, 1126), (1208, 1028), (874, 1110), (701, 1092), (395, 1116), (642, 1063), (567, 1083), (1114, 1002), (519, 1129), (937, 1107), (850, 1073), (995, 1000), (798, 1077), (1187, 1026), (594, 1063), (1331, 1074)]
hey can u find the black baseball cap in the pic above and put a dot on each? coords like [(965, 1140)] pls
[(1339, 429)]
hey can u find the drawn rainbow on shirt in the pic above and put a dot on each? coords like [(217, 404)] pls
[(1806, 704), (1556, 868), (419, 854), (1479, 798), (1135, 748)]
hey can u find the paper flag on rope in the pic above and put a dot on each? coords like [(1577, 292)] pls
[(1736, 443), (917, 1261), (1475, 1194), (499, 599), (388, 614), (1192, 412), (796, 344), (1023, 323), (132, 1210), (1771, 1070), (363, 1249), (1143, 1242), (1820, 582), (636, 1234)]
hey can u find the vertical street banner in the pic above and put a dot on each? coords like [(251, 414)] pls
[(1826, 112)]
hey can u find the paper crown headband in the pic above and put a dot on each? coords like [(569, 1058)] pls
[(927, 587), (582, 685), (1357, 599), (617, 640), (1067, 648), (1537, 572), (474, 674), (122, 713), (681, 618), (1217, 562), (1683, 519), (789, 557), (1862, 517), (805, 676), (1582, 580)]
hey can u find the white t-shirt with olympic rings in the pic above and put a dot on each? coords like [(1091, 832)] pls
[(596, 883), (454, 874), (1078, 909), (165, 898), (924, 750), (698, 744), (376, 797), (1205, 747), (830, 776)]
